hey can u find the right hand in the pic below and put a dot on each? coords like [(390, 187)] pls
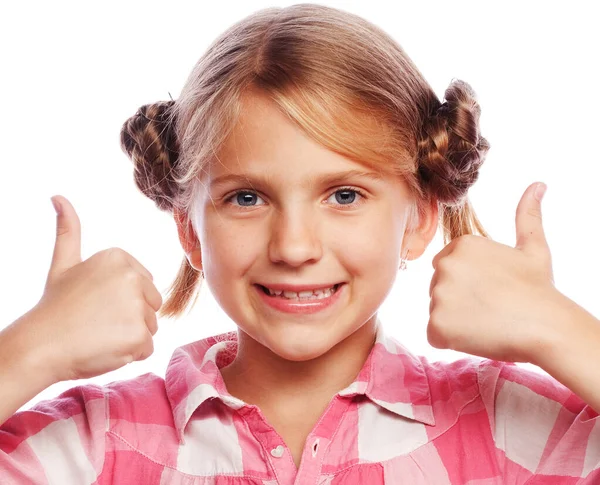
[(97, 315)]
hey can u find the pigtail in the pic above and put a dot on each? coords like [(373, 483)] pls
[(149, 139)]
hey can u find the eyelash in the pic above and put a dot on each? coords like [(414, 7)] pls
[(229, 198)]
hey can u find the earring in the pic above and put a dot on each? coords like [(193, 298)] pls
[(403, 261), (201, 273)]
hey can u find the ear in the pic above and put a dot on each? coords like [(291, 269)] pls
[(187, 238), (417, 240)]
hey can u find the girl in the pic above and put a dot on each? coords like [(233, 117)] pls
[(305, 160)]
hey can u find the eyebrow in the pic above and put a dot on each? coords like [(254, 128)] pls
[(326, 179)]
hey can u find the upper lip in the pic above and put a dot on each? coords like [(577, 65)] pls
[(298, 288)]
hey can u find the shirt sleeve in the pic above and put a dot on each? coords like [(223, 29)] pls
[(61, 440), (543, 432)]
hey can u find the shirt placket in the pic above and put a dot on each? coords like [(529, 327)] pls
[(274, 448), (317, 443)]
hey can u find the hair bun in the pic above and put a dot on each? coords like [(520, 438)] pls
[(150, 141), (451, 149)]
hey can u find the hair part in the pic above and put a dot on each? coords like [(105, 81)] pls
[(344, 82)]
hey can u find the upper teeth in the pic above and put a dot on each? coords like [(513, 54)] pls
[(302, 294)]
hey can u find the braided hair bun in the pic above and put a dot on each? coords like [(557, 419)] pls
[(451, 148), (150, 141)]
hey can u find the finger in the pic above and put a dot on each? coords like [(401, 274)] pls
[(147, 350), (444, 252), (151, 294), (434, 280), (528, 221), (139, 267), (67, 246), (151, 321)]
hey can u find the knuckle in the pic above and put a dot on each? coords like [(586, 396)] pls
[(433, 318), (465, 242), (113, 251), (117, 254), (534, 212), (445, 265), (433, 337), (131, 276), (147, 350), (109, 256), (152, 323), (61, 229)]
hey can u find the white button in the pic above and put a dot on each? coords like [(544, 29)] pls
[(277, 452)]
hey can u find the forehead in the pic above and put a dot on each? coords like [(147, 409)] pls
[(265, 138), (260, 129)]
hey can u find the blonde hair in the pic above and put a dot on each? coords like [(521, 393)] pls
[(345, 82)]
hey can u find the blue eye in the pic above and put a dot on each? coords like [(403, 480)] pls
[(244, 198), (344, 196)]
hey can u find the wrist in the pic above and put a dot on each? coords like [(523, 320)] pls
[(559, 321), (24, 351)]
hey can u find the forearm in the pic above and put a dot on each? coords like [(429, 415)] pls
[(571, 353), (22, 372)]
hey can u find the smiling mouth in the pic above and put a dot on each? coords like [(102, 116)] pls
[(266, 291)]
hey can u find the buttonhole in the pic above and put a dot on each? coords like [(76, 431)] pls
[(315, 447)]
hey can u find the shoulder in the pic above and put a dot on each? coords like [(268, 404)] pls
[(87, 405), (69, 432), (496, 378), (500, 381), (457, 376), (537, 422), (137, 388), (76, 405), (66, 432), (140, 399), (498, 384)]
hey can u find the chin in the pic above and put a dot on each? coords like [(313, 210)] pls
[(298, 353), (301, 344)]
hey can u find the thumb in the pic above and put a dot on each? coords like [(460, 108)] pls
[(530, 230), (67, 248)]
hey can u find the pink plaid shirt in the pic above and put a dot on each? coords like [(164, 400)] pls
[(404, 420)]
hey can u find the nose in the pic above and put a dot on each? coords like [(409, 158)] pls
[(295, 237)]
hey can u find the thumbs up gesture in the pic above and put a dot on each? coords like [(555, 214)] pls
[(493, 300), (95, 315)]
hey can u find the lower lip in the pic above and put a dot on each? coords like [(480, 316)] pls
[(300, 306)]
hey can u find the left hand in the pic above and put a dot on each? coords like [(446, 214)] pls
[(490, 299)]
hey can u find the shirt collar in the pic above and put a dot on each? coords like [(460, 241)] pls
[(391, 377)]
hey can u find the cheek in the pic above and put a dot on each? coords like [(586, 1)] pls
[(370, 244), (229, 247)]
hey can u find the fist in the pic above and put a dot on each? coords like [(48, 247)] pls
[(490, 299), (95, 315)]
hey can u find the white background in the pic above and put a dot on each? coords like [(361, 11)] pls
[(73, 72)]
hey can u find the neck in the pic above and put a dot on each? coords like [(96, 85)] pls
[(259, 376)]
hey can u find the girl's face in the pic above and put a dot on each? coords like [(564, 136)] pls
[(290, 225)]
